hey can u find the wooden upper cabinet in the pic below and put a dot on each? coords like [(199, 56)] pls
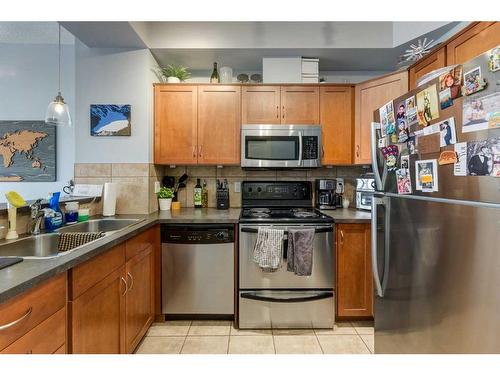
[(219, 116), (474, 41), (300, 105), (261, 105), (354, 273), (432, 62), (336, 118), (369, 96), (176, 118)]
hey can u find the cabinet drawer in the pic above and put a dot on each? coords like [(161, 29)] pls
[(21, 314), (138, 243), (91, 272), (46, 338)]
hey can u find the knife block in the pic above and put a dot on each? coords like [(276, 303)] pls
[(222, 198)]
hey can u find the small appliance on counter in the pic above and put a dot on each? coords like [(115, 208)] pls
[(325, 194), (222, 195), (365, 187)]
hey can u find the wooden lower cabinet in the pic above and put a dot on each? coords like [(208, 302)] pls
[(354, 284), (98, 317), (113, 314), (139, 298)]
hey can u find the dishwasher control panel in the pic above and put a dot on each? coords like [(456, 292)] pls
[(202, 234)]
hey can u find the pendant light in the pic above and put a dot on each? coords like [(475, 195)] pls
[(58, 111)]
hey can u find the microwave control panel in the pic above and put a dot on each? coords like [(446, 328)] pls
[(309, 147)]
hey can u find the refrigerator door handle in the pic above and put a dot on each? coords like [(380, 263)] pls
[(379, 180), (376, 276)]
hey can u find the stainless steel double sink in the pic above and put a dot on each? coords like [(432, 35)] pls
[(46, 245)]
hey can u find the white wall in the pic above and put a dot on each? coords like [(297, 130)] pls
[(114, 76), (28, 82), (331, 76)]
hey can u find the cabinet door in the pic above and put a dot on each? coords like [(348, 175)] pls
[(370, 96), (176, 116), (300, 105), (98, 317), (432, 62), (219, 117), (354, 275), (260, 105), (474, 41), (336, 109), (139, 297)]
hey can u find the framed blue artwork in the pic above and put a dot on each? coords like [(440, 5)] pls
[(110, 120)]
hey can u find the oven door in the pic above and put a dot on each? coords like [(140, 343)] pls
[(279, 146), (252, 277)]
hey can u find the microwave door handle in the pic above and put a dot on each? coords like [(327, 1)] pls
[(300, 149)]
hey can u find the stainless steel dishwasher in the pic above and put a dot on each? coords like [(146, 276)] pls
[(198, 269)]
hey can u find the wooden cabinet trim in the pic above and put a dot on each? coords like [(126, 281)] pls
[(45, 338), (35, 306), (434, 61), (138, 243), (468, 34), (85, 275)]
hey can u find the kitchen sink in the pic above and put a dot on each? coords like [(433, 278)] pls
[(46, 245), (43, 245), (99, 225)]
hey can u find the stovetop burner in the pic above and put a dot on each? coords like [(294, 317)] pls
[(279, 201)]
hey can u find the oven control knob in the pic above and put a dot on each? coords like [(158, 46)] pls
[(259, 189), (249, 189)]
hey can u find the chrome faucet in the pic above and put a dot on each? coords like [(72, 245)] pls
[(36, 217)]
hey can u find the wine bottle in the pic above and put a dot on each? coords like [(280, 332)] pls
[(214, 78), (197, 194), (204, 195)]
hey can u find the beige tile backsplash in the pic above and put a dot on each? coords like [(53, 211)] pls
[(137, 180)]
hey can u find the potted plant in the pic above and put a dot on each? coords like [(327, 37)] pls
[(165, 196), (175, 73)]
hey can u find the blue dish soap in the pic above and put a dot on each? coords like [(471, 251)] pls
[(53, 215)]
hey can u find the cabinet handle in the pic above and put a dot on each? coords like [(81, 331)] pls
[(283, 109), (131, 280), (126, 286), (322, 152), (277, 111), (357, 151), (194, 152), (341, 236), (199, 152), (17, 321)]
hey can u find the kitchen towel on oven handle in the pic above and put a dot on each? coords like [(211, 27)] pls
[(300, 251), (268, 249)]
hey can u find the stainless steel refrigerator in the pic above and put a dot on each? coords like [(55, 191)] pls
[(436, 256)]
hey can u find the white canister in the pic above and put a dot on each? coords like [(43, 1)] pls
[(226, 74), (173, 80), (165, 204), (109, 200)]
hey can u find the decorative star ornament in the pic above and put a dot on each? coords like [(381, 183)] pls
[(416, 52)]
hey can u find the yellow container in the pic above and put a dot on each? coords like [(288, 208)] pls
[(176, 206)]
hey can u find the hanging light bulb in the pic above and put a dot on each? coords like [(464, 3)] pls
[(58, 111)]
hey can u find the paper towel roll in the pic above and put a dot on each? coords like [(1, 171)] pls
[(109, 205)]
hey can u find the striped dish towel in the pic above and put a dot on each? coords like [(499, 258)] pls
[(268, 250), (68, 241)]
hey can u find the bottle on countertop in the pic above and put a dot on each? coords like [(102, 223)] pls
[(204, 195), (214, 78), (197, 194), (53, 215)]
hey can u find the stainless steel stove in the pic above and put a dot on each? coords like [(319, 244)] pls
[(282, 299)]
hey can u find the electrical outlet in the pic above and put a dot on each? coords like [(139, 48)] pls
[(237, 187), (157, 186)]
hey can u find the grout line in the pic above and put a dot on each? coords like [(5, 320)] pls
[(319, 343), (185, 337), (228, 342)]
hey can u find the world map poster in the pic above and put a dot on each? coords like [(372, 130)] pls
[(27, 151)]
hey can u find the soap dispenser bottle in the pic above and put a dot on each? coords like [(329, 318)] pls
[(53, 215)]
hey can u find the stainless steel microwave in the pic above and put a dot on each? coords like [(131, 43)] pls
[(280, 146)]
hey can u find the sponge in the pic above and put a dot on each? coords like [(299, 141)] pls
[(15, 199)]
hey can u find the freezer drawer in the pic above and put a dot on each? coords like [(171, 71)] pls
[(261, 309)]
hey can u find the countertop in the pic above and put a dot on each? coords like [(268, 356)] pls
[(348, 215), (27, 274)]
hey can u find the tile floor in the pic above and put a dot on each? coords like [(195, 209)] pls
[(220, 337)]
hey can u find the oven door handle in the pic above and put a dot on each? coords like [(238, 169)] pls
[(316, 230), (265, 298)]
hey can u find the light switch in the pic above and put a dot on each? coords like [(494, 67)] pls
[(237, 187), (157, 186)]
